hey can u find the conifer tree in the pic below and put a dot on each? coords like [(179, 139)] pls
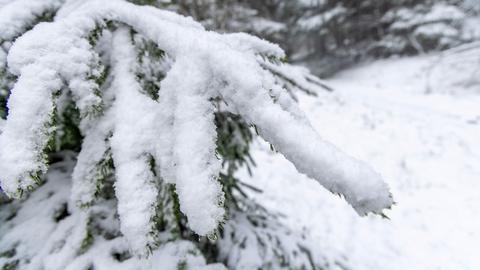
[(150, 116), (333, 34)]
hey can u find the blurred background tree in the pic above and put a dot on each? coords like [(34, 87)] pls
[(328, 35)]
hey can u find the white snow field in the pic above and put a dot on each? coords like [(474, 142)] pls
[(426, 146)]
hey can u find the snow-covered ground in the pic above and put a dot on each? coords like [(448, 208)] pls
[(426, 146)]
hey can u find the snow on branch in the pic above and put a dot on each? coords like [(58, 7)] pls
[(135, 184), (172, 137), (17, 16)]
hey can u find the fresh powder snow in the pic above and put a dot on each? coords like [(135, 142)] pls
[(426, 147), (177, 130)]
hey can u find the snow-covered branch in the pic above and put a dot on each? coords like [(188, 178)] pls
[(175, 130)]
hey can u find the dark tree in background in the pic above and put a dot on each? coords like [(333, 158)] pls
[(330, 35)]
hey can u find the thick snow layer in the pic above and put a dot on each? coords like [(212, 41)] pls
[(35, 100), (207, 65), (42, 239), (135, 185), (427, 148), (17, 16)]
